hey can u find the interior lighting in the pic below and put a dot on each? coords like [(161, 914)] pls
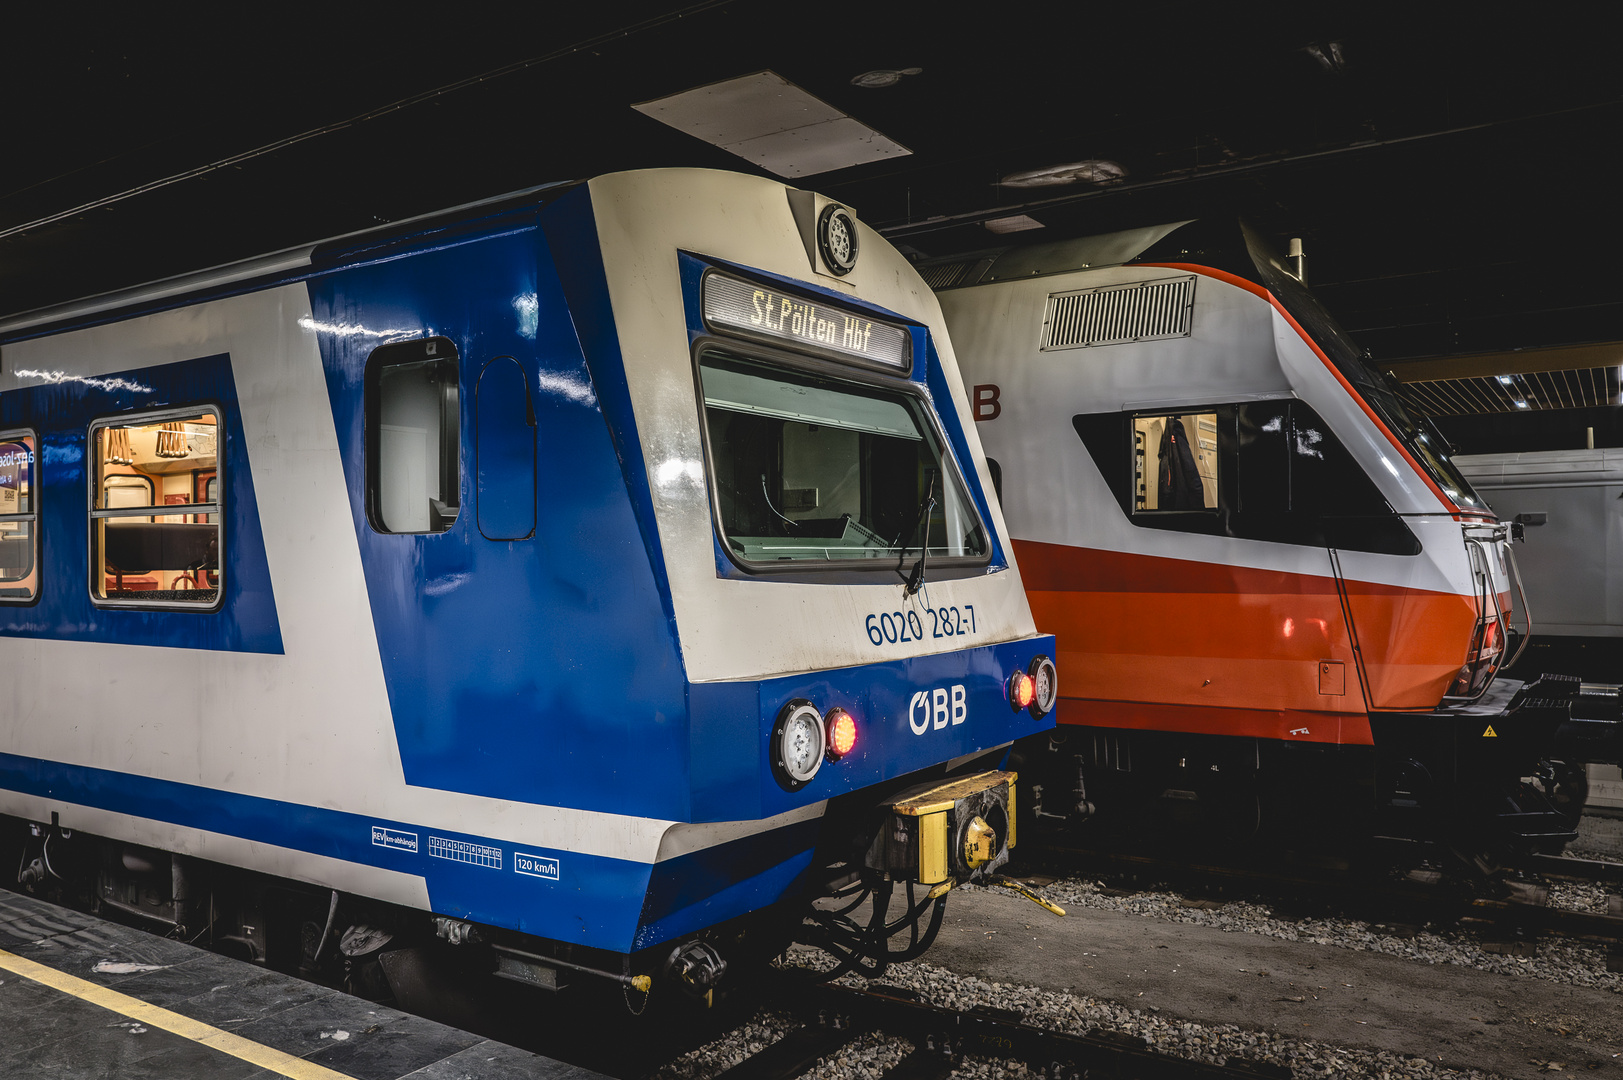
[(842, 733), (1506, 379), (1520, 404), (172, 441), (118, 447)]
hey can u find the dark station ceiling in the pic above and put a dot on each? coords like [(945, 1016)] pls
[(1451, 176)]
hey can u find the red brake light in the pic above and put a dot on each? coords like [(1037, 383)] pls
[(842, 732), (1022, 689)]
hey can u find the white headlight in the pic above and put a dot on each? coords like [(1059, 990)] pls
[(1046, 692), (797, 744)]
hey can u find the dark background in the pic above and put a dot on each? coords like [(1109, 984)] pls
[(1451, 173)]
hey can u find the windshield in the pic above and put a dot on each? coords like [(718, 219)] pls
[(812, 469), (1417, 433)]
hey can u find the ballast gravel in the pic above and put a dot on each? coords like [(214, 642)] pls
[(1579, 896), (864, 1058), (718, 1055)]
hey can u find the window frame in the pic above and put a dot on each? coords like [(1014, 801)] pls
[(32, 517), (1108, 433), (831, 571), (372, 431), (155, 510)]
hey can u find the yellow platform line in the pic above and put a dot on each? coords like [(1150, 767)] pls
[(265, 1057)]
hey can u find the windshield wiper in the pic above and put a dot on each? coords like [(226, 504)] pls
[(911, 583)]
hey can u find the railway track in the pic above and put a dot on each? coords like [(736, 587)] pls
[(834, 1016)]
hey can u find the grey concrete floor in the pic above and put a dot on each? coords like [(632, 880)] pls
[(1457, 1017)]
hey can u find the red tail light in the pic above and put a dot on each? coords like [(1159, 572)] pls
[(842, 732), (1022, 689), (1482, 662)]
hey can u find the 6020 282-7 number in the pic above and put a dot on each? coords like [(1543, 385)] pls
[(898, 627)]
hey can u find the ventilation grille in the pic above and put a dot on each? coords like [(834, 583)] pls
[(944, 275), (1113, 314)]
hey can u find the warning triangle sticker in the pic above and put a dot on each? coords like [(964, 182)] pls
[(1490, 733)]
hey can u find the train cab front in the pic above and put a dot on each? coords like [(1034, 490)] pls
[(855, 641), (1499, 765), (913, 797)]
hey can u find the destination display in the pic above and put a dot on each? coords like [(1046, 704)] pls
[(743, 305)]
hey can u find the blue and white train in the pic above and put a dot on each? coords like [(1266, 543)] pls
[(600, 573)]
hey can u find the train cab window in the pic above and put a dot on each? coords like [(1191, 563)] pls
[(1175, 462), (808, 469), (1262, 470), (19, 519), (139, 466), (413, 452)]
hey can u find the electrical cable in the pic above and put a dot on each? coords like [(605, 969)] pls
[(361, 118)]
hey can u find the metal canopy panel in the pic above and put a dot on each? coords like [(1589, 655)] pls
[(1524, 392), (770, 122)]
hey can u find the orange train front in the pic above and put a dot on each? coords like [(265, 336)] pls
[(1271, 588)]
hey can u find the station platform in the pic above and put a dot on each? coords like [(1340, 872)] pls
[(83, 998)]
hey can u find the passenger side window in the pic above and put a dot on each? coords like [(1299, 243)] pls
[(1256, 470), (19, 519), (413, 421), (141, 464)]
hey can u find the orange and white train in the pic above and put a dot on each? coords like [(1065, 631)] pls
[(1271, 588)]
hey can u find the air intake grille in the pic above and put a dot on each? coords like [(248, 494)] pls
[(944, 275), (1112, 314)]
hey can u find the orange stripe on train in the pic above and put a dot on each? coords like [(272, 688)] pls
[(1290, 725), (1194, 634)]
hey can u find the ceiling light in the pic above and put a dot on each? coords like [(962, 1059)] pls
[(879, 78), (1092, 171), (1521, 404), (1330, 56), (1506, 379), (1017, 223), (770, 122)]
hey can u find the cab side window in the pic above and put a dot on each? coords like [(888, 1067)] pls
[(413, 437), (19, 518), (1255, 470)]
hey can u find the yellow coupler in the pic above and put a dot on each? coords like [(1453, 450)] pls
[(950, 832)]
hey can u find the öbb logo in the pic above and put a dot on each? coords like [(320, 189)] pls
[(936, 709)]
